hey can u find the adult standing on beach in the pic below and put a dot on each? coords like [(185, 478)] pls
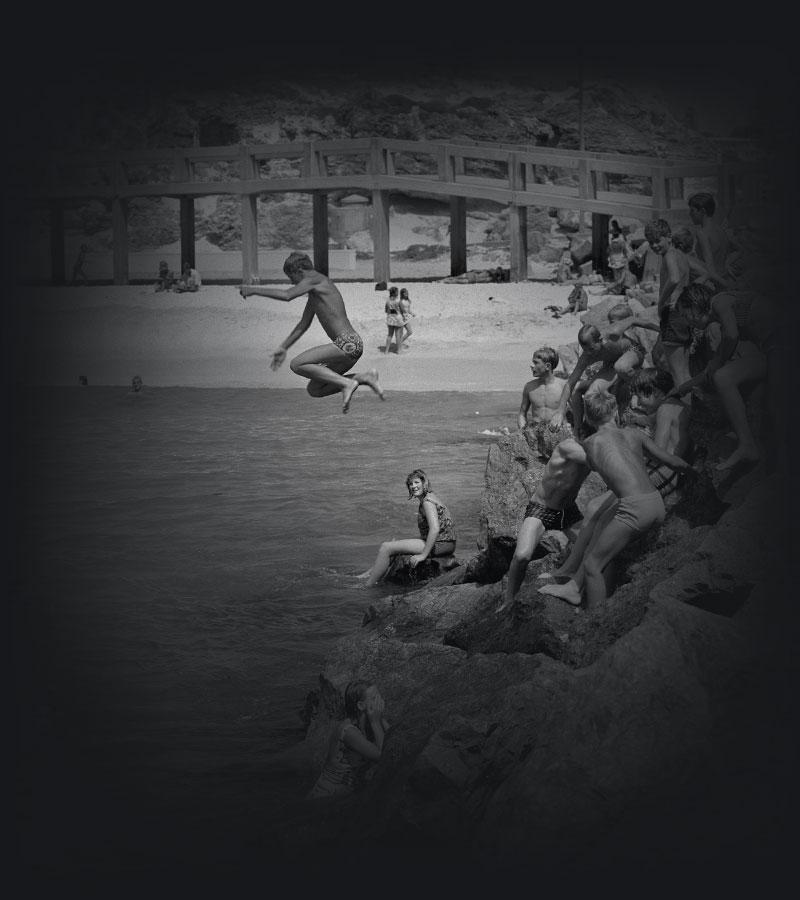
[(324, 366)]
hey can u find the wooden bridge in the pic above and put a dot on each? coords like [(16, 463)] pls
[(511, 175)]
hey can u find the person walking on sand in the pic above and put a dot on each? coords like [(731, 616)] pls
[(405, 309), (394, 321), (324, 366)]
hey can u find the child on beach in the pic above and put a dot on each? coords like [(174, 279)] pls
[(666, 420), (747, 353), (355, 741), (617, 454), (436, 529), (394, 321), (620, 356), (540, 401), (552, 505), (324, 366), (405, 309)]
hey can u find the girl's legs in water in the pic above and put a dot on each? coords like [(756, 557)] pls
[(383, 560)]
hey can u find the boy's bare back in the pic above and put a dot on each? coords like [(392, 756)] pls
[(563, 475), (617, 455)]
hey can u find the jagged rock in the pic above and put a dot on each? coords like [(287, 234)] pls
[(402, 572)]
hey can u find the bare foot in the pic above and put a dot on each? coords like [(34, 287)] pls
[(347, 392), (569, 592), (371, 380), (504, 606), (740, 455)]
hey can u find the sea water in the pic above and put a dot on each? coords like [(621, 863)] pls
[(186, 559)]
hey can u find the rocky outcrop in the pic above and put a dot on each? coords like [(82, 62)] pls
[(541, 733)]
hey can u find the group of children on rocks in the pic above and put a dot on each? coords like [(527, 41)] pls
[(580, 424)]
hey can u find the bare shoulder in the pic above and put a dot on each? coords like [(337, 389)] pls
[(571, 449)]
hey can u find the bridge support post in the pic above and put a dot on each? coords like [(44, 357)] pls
[(249, 239), (187, 232), (320, 228), (119, 228), (458, 235), (600, 241), (380, 235), (58, 273), (518, 241)]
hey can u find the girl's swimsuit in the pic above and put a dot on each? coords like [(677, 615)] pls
[(447, 530), (339, 774), (394, 316)]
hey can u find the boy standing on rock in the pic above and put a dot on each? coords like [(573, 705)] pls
[(617, 455), (552, 505), (324, 366), (540, 399)]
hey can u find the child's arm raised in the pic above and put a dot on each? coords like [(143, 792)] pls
[(429, 509)]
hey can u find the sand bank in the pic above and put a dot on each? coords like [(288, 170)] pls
[(467, 337)]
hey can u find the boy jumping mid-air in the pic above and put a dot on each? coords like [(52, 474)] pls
[(324, 366)]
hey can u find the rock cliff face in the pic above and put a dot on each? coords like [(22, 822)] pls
[(553, 736)]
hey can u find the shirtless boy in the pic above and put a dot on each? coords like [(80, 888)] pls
[(675, 274), (666, 420), (324, 366), (552, 505), (617, 455), (712, 244), (540, 398), (620, 355)]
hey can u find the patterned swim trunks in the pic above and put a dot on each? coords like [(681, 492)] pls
[(553, 518), (350, 343)]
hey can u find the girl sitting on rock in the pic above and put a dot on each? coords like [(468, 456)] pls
[(355, 741), (437, 532)]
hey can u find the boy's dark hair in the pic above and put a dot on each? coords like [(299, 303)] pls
[(392, 291), (599, 407), (657, 229), (704, 201), (297, 262), (683, 239), (548, 356), (647, 381), (586, 332), (696, 297)]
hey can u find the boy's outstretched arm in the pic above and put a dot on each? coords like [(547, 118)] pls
[(557, 418), (285, 294)]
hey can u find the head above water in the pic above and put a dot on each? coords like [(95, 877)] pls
[(417, 473), (599, 407), (296, 264), (136, 382)]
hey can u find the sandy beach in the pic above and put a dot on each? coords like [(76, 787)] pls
[(467, 337)]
